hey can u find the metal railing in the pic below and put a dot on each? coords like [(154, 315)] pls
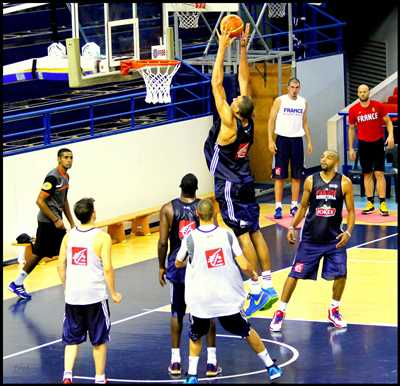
[(191, 100)]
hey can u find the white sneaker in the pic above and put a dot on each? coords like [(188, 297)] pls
[(276, 322), (335, 318)]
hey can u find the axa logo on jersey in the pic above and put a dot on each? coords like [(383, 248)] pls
[(185, 227), (79, 256), (215, 258), (242, 150)]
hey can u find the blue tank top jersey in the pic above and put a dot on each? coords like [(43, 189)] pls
[(324, 216), (230, 162), (184, 221)]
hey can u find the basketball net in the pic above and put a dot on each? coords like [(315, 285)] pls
[(276, 9), (190, 19), (157, 75)]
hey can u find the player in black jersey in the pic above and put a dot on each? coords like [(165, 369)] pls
[(177, 219), (226, 150), (321, 236)]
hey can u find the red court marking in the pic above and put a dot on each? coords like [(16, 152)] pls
[(285, 221), (375, 217)]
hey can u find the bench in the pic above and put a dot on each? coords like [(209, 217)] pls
[(140, 222)]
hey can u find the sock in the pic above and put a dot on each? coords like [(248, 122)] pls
[(20, 278), (266, 279), (282, 306), (175, 355), (294, 203), (193, 362), (278, 205), (370, 199), (255, 287), (381, 200), (67, 374), (335, 303), (212, 355), (264, 356), (100, 378)]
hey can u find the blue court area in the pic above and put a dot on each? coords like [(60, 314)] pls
[(139, 351)]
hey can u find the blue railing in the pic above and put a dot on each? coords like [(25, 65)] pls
[(346, 167), (191, 100)]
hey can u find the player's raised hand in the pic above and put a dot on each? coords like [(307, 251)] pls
[(244, 37), (224, 39)]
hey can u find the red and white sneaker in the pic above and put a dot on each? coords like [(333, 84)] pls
[(277, 320), (335, 318)]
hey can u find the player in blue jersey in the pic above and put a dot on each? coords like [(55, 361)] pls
[(226, 150), (177, 219), (321, 236)]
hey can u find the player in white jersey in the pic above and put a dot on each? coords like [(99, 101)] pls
[(85, 269), (214, 287), (288, 120)]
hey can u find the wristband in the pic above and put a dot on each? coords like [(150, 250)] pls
[(348, 233), (291, 228)]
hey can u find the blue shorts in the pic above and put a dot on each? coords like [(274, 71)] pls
[(238, 206), (178, 305), (288, 148), (308, 256), (92, 318)]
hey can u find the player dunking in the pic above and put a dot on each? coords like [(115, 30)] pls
[(226, 151)]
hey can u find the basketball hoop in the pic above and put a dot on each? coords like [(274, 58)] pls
[(190, 19), (157, 75), (276, 9)]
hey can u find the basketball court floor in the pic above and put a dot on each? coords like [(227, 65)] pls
[(308, 348)]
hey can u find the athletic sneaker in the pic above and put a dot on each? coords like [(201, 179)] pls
[(274, 371), (272, 298), (191, 379), (278, 213), (213, 370), (383, 209), (19, 290), (293, 211), (256, 303), (67, 380), (174, 368), (335, 318), (369, 208), (277, 320)]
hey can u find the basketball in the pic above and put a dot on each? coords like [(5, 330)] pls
[(232, 23)]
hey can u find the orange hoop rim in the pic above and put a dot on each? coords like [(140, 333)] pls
[(135, 64)]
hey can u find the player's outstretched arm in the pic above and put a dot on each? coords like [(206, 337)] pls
[(244, 73)]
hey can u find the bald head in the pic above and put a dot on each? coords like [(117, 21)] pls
[(205, 209), (363, 92)]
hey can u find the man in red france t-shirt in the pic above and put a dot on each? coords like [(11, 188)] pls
[(369, 115)]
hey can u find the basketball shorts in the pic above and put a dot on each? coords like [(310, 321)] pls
[(80, 319), (178, 305), (308, 256), (372, 156), (48, 240), (237, 324), (288, 149), (239, 208)]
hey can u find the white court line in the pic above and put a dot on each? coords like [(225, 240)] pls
[(156, 309), (59, 340)]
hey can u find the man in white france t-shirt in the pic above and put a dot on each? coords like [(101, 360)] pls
[(214, 287), (288, 120)]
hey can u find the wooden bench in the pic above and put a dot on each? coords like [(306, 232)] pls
[(140, 222)]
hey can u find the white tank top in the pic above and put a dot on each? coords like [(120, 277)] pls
[(289, 120), (213, 284), (85, 282)]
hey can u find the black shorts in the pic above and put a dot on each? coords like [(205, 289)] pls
[(80, 319), (238, 206), (178, 305), (288, 148), (372, 156), (48, 240), (237, 324)]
